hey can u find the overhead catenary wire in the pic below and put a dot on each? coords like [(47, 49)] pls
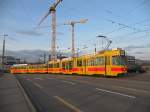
[(125, 37), (143, 2), (132, 26), (124, 25), (133, 33), (120, 28)]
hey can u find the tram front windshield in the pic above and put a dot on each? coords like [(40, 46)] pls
[(118, 60)]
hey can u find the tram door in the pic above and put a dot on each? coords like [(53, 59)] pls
[(107, 66)]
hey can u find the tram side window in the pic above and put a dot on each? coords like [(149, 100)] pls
[(45, 66), (38, 66), (63, 65), (84, 62), (33, 67), (117, 60), (54, 65), (79, 63), (93, 62), (99, 61), (50, 65), (88, 62), (24, 67), (57, 65), (69, 65)]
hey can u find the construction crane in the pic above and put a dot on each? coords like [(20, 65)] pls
[(72, 23), (52, 11), (108, 41)]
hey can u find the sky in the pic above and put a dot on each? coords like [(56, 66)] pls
[(125, 22)]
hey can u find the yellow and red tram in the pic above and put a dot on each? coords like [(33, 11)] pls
[(107, 63)]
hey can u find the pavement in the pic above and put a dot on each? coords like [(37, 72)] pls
[(69, 93), (12, 98)]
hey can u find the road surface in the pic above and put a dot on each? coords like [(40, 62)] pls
[(68, 93)]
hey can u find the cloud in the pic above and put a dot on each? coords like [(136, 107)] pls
[(133, 47), (29, 32), (138, 52)]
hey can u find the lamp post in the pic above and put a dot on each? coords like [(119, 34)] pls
[(95, 48), (3, 51)]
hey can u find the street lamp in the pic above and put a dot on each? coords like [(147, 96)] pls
[(3, 51), (94, 48)]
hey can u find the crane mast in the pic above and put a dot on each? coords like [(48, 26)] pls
[(72, 23), (53, 34), (73, 41), (52, 11), (53, 41)]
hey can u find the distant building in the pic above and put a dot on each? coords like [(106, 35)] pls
[(130, 59), (8, 62)]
